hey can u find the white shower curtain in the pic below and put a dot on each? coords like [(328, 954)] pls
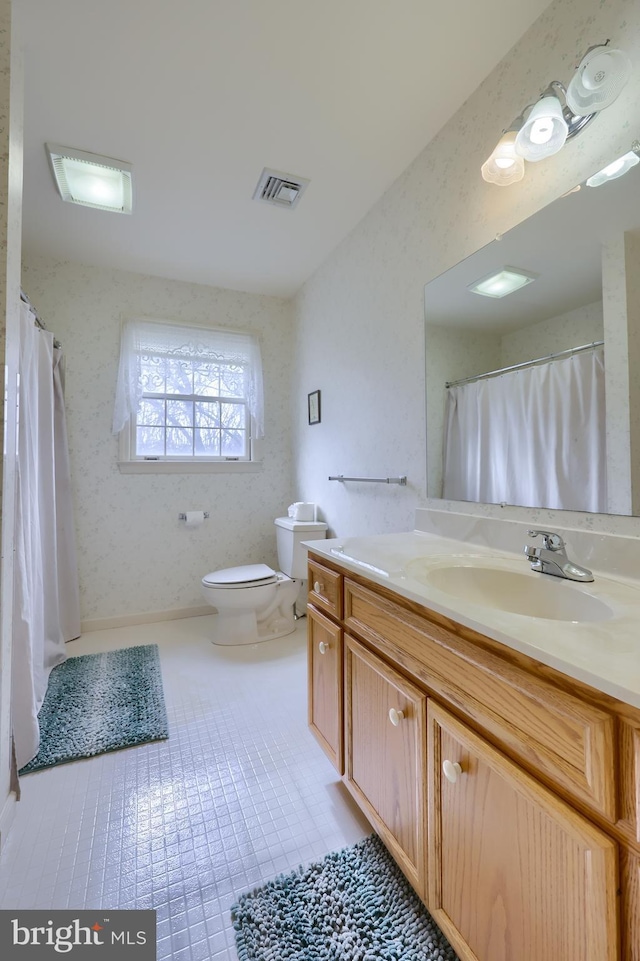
[(534, 437), (46, 594)]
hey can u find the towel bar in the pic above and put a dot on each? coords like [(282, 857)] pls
[(372, 480)]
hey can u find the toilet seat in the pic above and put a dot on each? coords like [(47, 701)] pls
[(249, 575)]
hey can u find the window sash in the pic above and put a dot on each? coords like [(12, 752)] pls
[(217, 431)]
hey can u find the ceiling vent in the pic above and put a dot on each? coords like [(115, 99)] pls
[(279, 189)]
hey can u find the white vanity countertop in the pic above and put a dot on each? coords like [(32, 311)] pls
[(604, 654)]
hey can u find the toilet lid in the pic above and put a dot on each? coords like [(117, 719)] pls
[(253, 575)]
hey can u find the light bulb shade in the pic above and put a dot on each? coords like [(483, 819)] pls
[(544, 131), (504, 166), (614, 170), (599, 79)]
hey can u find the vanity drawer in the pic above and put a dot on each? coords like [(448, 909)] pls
[(563, 739), (325, 589)]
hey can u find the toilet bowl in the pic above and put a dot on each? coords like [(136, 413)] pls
[(254, 602)]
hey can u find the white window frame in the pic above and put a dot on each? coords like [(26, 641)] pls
[(131, 462)]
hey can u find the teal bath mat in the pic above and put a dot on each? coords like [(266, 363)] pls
[(101, 702), (354, 904)]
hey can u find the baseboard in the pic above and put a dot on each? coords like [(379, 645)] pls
[(6, 817), (151, 617)]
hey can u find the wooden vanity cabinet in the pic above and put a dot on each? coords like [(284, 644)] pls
[(385, 747), (630, 907), (325, 685), (325, 589), (514, 872), (532, 850)]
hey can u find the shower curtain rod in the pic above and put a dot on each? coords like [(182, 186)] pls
[(36, 316), (526, 363)]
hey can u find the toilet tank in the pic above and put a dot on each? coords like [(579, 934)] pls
[(292, 557)]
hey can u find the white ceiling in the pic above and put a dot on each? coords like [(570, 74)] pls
[(200, 95)]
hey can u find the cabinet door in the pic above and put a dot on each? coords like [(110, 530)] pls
[(630, 871), (514, 873), (385, 746), (324, 640)]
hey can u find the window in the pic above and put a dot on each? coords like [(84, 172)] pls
[(187, 394)]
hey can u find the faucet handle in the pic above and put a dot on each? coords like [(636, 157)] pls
[(533, 553), (551, 540)]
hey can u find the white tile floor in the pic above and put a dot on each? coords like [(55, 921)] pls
[(239, 793)]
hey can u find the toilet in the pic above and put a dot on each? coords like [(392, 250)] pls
[(254, 602)]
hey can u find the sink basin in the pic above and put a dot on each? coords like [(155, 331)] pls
[(530, 595)]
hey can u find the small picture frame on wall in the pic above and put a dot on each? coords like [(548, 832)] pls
[(314, 407)]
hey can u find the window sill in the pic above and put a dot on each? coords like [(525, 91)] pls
[(186, 467)]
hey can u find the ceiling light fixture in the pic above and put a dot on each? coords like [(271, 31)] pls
[(616, 169), (91, 180), (561, 113), (502, 282)]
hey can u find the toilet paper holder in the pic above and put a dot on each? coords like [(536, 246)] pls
[(183, 516)]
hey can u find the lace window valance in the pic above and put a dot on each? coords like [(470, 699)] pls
[(180, 359)]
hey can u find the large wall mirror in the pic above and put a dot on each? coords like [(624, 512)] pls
[(566, 349)]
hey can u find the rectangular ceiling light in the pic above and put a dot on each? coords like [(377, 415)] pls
[(502, 282), (90, 180)]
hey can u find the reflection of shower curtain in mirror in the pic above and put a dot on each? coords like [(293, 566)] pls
[(46, 596), (534, 437)]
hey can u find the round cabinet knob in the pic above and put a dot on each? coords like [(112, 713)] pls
[(395, 716), (318, 587), (451, 770), (323, 647)]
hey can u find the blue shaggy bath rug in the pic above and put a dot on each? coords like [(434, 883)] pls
[(101, 702), (354, 905)]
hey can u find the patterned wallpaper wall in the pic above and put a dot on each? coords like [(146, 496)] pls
[(135, 556), (633, 310), (584, 325), (359, 331)]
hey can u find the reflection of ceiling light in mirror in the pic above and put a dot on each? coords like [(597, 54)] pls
[(502, 282), (614, 170), (90, 180)]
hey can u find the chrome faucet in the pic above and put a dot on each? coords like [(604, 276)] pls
[(552, 558)]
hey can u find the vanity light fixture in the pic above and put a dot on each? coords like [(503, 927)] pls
[(502, 282), (91, 180), (616, 169), (599, 78), (561, 113), (545, 130), (504, 166)]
